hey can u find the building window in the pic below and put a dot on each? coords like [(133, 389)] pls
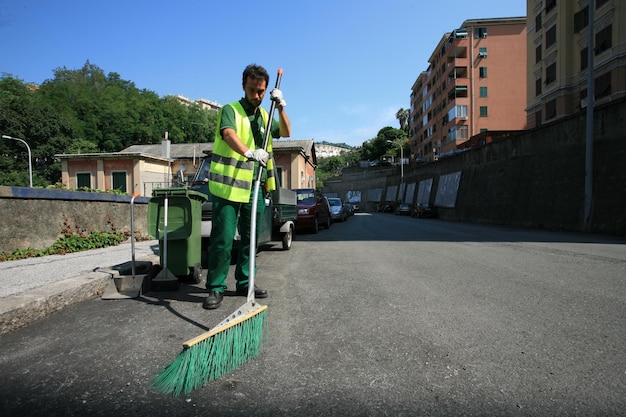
[(482, 52), (550, 36), (538, 22), (458, 133), (458, 91), (581, 19), (538, 87), (600, 3), (480, 32), (583, 58), (602, 85), (482, 72), (119, 181), (83, 179), (458, 111), (538, 55), (460, 33), (550, 4), (551, 109), (483, 111), (483, 91), (538, 118), (551, 73), (604, 39)]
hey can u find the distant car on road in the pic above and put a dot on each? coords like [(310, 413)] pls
[(337, 209), (350, 208), (385, 208), (424, 210), (404, 209)]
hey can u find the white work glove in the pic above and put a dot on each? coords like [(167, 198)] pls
[(258, 155), (277, 96)]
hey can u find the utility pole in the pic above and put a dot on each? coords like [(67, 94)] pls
[(401, 168), (589, 124)]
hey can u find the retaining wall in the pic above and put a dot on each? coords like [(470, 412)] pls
[(535, 178), (35, 218)]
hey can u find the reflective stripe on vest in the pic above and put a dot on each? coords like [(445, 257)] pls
[(232, 175)]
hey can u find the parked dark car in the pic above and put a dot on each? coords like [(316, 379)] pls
[(385, 208), (350, 208), (338, 210), (404, 209), (424, 210), (313, 210)]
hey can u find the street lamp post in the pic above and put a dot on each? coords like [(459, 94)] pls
[(30, 160), (401, 166)]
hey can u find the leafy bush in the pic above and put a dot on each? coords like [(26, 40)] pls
[(69, 244)]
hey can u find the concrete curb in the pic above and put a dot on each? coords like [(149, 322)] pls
[(22, 309)]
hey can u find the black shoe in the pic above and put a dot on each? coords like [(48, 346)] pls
[(213, 301), (258, 292)]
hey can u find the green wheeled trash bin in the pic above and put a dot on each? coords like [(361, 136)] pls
[(180, 236)]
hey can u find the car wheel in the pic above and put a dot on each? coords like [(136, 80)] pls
[(288, 238), (328, 222), (316, 226)]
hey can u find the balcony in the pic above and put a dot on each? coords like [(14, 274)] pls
[(457, 72), (458, 91)]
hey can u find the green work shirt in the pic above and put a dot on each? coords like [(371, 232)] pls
[(256, 123)]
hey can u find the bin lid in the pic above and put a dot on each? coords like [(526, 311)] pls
[(179, 191)]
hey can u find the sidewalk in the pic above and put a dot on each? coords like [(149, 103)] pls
[(32, 288)]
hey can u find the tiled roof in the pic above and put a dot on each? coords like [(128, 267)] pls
[(177, 150), (189, 150)]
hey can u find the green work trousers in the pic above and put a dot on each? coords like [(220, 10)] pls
[(226, 216)]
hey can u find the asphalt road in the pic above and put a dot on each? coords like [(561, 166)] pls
[(379, 316)]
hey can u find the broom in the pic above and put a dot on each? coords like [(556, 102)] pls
[(235, 340)]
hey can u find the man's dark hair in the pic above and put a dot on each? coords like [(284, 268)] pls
[(256, 72)]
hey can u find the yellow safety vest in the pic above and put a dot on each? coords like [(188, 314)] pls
[(232, 175)]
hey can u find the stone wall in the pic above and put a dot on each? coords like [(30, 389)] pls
[(35, 218), (535, 178)]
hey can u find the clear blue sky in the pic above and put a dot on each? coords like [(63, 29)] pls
[(348, 65)]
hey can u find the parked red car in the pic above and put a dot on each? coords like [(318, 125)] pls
[(424, 210), (313, 210)]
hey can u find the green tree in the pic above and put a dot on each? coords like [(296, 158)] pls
[(85, 111), (386, 139), (403, 117)]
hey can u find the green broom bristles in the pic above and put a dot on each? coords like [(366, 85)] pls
[(213, 357)]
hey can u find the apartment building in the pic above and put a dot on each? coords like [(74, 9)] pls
[(325, 151), (475, 81), (202, 102), (558, 46)]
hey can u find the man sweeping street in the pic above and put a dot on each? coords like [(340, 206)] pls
[(238, 154)]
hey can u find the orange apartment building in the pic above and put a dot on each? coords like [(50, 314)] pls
[(475, 82), (558, 44)]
